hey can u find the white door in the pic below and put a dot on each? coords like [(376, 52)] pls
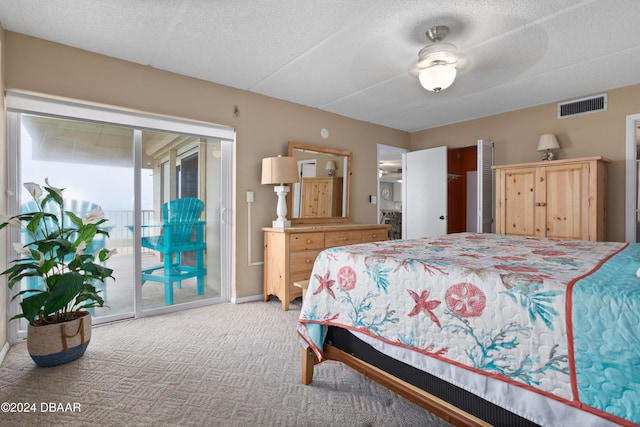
[(632, 186), (485, 187), (306, 169), (424, 200)]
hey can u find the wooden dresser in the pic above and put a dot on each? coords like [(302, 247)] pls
[(289, 253), (563, 199)]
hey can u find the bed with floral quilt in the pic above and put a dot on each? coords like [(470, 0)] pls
[(549, 329)]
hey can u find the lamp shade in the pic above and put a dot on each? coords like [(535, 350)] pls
[(279, 170), (331, 165), (438, 76), (548, 142)]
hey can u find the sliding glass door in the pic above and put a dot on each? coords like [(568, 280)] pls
[(185, 196), (162, 190)]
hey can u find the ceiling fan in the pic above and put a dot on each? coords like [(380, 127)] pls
[(437, 61)]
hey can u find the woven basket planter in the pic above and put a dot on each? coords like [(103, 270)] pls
[(59, 343)]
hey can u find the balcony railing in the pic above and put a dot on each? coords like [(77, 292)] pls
[(121, 234)]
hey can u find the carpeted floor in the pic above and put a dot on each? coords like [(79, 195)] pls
[(223, 365)]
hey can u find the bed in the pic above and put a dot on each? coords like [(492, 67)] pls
[(485, 328)]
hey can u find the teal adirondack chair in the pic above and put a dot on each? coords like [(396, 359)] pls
[(181, 231)]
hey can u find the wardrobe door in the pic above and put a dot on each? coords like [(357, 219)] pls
[(516, 201), (567, 201)]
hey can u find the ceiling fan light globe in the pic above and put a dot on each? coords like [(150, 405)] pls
[(437, 77)]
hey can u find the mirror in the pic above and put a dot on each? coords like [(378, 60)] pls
[(324, 191)]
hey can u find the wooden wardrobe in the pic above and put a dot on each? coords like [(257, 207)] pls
[(321, 197), (560, 198)]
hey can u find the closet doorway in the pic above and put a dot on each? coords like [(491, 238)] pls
[(448, 190), (462, 180)]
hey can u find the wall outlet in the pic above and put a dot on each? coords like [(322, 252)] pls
[(250, 198), (373, 200)]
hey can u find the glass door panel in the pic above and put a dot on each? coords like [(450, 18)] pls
[(94, 164), (180, 227)]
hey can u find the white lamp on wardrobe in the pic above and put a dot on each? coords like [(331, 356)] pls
[(548, 143)]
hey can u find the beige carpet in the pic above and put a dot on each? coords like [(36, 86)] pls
[(223, 365)]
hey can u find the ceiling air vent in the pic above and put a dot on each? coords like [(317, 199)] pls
[(579, 107)]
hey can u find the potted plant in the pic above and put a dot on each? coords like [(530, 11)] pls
[(54, 257)]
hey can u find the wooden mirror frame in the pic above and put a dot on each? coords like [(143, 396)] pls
[(347, 176)]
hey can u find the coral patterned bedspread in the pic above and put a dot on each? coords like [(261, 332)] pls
[(561, 318)]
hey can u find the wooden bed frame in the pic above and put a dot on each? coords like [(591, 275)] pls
[(428, 401), (439, 406), (420, 397), (452, 404)]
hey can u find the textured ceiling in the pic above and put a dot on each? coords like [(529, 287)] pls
[(356, 58)]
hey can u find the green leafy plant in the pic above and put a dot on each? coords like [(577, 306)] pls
[(55, 251)]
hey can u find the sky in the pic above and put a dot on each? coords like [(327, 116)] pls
[(111, 187)]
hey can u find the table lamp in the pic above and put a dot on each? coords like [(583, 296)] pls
[(280, 171), (331, 168), (548, 143)]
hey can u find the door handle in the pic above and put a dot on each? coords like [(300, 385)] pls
[(223, 215), (441, 216)]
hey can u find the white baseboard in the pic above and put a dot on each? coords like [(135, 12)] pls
[(4, 351), (247, 299)]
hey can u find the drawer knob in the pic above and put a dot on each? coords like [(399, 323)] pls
[(374, 235), (308, 240), (308, 261)]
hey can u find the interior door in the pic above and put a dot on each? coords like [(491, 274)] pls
[(485, 199), (424, 201), (306, 168)]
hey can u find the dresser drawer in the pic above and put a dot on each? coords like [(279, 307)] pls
[(340, 238), (374, 235), (302, 260), (304, 241)]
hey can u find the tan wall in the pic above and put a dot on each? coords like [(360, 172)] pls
[(516, 139), (264, 126), (3, 201)]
